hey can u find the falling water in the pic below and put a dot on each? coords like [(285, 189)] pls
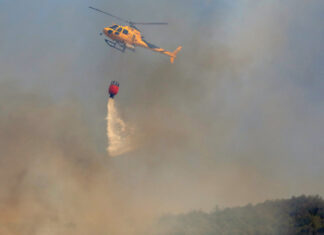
[(118, 132)]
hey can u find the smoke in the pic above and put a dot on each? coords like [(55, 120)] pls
[(54, 181), (236, 119), (118, 133)]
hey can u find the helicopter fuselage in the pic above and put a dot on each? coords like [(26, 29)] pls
[(124, 34), (131, 37)]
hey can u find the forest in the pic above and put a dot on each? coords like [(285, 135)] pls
[(297, 215)]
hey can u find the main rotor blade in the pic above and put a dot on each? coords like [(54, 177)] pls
[(106, 13), (127, 21), (150, 23)]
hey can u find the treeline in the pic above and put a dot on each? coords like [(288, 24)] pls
[(298, 215)]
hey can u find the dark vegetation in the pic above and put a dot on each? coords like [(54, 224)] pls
[(298, 215)]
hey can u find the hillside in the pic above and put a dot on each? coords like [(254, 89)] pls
[(298, 215)]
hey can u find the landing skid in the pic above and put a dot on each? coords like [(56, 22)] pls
[(118, 46)]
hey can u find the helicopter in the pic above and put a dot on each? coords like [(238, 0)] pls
[(122, 37)]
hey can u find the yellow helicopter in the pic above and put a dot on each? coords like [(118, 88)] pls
[(128, 37)]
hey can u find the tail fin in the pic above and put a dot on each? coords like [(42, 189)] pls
[(173, 54)]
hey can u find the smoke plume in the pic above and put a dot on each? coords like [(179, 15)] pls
[(237, 119)]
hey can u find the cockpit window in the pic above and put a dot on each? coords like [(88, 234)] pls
[(114, 26), (125, 31), (119, 29)]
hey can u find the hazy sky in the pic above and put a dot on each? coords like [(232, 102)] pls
[(237, 119)]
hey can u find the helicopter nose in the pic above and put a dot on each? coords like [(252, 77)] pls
[(107, 31)]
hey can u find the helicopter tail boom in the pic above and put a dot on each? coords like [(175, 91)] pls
[(172, 54)]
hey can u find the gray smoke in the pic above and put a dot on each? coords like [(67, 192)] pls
[(237, 119)]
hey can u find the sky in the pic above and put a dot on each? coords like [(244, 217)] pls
[(237, 119)]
